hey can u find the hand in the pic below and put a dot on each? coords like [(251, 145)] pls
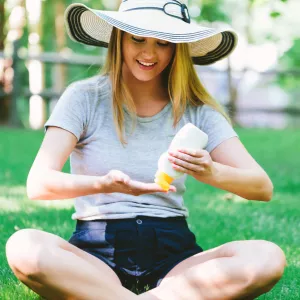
[(192, 162), (118, 182)]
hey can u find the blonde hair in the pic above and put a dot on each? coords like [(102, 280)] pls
[(180, 78)]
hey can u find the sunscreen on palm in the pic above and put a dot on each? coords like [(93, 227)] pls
[(189, 136)]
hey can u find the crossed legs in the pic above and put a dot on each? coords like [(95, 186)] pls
[(235, 270), (55, 269)]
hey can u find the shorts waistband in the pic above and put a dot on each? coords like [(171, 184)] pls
[(146, 220)]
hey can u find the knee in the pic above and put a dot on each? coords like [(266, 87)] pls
[(24, 252), (267, 263)]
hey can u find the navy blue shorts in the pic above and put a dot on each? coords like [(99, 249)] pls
[(141, 250)]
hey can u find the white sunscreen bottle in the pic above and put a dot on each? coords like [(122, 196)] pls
[(189, 136)]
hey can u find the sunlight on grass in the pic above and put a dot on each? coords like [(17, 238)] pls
[(8, 205), (12, 191), (58, 204), (19, 193)]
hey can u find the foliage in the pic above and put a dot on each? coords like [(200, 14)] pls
[(290, 60), (49, 44), (213, 11), (228, 11)]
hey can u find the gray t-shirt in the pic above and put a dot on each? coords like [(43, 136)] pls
[(85, 109)]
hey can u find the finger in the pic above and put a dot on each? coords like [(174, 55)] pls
[(151, 187), (172, 188), (146, 187), (157, 188), (193, 152), (188, 168), (204, 162), (127, 180), (183, 170), (184, 157), (137, 185), (192, 166), (121, 177)]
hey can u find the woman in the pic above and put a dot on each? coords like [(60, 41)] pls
[(115, 126)]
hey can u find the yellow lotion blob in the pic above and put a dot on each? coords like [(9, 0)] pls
[(164, 180)]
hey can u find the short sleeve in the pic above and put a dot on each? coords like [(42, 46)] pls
[(215, 125), (69, 112)]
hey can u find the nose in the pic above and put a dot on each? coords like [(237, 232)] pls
[(149, 51)]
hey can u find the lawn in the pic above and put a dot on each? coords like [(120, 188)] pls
[(216, 217)]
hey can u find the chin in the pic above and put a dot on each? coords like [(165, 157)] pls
[(144, 77)]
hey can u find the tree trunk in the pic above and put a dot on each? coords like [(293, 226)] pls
[(37, 105), (59, 70), (233, 86), (233, 95), (4, 84)]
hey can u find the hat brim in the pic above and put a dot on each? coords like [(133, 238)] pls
[(93, 27)]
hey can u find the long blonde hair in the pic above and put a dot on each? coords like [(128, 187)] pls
[(180, 78)]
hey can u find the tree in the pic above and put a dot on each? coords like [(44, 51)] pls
[(291, 82), (4, 101), (247, 17)]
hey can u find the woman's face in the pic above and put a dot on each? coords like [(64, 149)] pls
[(146, 57)]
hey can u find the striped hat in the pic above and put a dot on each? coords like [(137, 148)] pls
[(166, 20)]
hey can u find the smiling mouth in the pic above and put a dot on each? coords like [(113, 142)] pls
[(146, 64)]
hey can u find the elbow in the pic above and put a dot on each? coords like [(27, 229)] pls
[(32, 191), (266, 196), (34, 188), (265, 192), (268, 189), (37, 193), (31, 195)]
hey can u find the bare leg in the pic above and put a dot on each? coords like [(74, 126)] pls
[(236, 270), (55, 269)]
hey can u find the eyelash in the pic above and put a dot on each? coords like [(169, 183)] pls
[(140, 41)]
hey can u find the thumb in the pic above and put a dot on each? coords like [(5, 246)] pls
[(126, 179)]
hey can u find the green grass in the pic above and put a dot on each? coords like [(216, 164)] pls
[(214, 219)]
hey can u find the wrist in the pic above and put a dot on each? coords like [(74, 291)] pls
[(100, 184), (212, 176), (215, 171)]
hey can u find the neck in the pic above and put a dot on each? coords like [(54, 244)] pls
[(144, 91)]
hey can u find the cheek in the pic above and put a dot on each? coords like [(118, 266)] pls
[(126, 58), (132, 55), (166, 57), (128, 53)]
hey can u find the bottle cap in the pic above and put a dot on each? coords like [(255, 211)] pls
[(163, 179)]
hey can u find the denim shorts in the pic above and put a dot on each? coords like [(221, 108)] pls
[(141, 250)]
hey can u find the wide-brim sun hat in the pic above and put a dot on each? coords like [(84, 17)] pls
[(165, 20)]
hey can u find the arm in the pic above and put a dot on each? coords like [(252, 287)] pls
[(235, 170), (45, 179)]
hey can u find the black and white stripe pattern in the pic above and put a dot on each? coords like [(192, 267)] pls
[(173, 8), (93, 27)]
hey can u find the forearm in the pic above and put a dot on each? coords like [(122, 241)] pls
[(247, 183), (51, 185)]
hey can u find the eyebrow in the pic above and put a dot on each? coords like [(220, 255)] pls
[(144, 37)]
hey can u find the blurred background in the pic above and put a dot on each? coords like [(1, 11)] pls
[(259, 84)]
